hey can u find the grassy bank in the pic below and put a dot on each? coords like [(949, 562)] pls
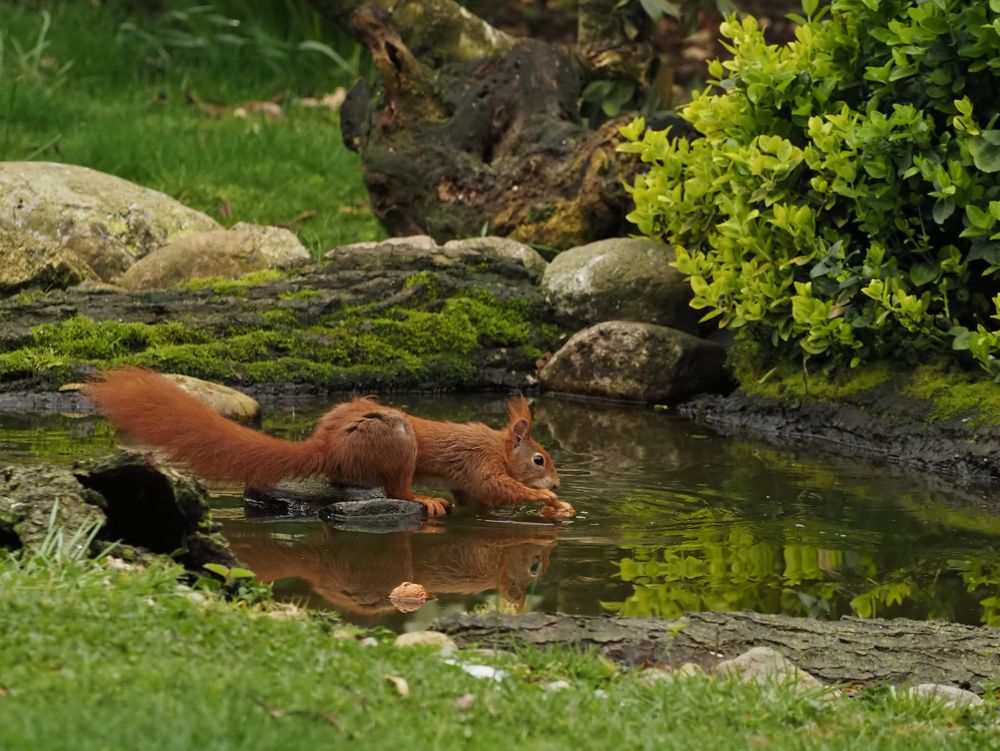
[(88, 84), (96, 656)]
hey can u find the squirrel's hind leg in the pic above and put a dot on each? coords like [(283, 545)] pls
[(376, 446)]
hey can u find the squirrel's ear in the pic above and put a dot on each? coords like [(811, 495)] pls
[(519, 418), (520, 430)]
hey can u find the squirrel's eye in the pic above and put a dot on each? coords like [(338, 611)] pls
[(538, 459)]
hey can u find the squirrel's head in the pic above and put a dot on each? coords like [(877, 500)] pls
[(529, 462)]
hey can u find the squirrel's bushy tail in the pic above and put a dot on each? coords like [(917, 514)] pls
[(158, 412)]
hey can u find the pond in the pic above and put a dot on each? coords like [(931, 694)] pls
[(672, 517)]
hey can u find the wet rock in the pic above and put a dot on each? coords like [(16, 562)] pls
[(29, 260), (626, 360), (124, 497), (949, 696), (621, 279), (302, 497), (216, 253), (106, 222), (375, 515), (226, 401), (764, 665), (427, 639), (155, 508), (34, 500)]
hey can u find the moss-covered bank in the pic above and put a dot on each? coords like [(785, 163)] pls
[(934, 415), (407, 324)]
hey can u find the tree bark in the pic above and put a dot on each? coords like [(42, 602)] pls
[(437, 31), (850, 650), (494, 144)]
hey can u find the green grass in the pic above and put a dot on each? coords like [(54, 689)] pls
[(96, 657), (77, 86)]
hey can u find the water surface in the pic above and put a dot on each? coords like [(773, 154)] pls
[(672, 518)]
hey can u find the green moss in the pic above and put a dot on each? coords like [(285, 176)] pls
[(281, 317), (224, 286), (432, 288), (432, 345), (750, 366), (955, 394)]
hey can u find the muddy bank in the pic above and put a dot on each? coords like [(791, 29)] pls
[(879, 424)]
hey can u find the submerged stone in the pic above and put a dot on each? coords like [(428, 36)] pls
[(374, 515), (303, 497)]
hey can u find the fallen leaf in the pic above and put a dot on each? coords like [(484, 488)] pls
[(400, 684)]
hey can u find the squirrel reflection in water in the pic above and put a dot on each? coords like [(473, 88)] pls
[(354, 573)]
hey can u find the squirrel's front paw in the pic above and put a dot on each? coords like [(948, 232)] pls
[(434, 506), (558, 510)]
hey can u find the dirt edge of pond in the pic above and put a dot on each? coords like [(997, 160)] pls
[(848, 651), (879, 425)]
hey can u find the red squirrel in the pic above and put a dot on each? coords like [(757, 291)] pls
[(359, 442)]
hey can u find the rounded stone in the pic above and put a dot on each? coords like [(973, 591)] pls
[(216, 253), (106, 222), (624, 279), (639, 361), (226, 401)]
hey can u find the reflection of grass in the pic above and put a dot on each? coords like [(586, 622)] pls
[(131, 660), (121, 108)]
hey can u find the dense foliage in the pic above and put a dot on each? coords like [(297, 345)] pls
[(844, 197)]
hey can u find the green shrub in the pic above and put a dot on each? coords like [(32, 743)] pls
[(844, 199)]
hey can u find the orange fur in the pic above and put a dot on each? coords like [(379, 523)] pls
[(359, 442)]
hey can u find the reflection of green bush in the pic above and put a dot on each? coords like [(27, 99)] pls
[(740, 572), (734, 571)]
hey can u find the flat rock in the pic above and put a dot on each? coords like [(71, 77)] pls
[(623, 279), (305, 496), (216, 253), (641, 361), (106, 222), (502, 247), (422, 251)]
